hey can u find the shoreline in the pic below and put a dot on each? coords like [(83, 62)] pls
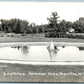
[(6, 44), (42, 63)]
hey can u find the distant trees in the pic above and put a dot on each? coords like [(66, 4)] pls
[(65, 26), (60, 29), (19, 26), (79, 25), (14, 26), (55, 28)]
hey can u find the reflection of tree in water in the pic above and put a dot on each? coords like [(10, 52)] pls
[(24, 50), (17, 47), (81, 48)]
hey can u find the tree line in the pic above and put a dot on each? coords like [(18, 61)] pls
[(19, 26), (55, 26), (64, 26)]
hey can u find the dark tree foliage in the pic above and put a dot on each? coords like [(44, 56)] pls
[(18, 27), (55, 28), (79, 25), (53, 20), (14, 26)]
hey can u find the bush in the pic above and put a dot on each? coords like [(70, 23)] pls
[(75, 36)]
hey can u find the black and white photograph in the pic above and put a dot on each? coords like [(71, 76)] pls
[(41, 41)]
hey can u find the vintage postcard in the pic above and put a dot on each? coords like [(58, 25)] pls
[(41, 41)]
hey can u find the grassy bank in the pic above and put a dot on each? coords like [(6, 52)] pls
[(43, 73), (38, 38)]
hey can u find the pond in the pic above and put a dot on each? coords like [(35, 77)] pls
[(42, 53)]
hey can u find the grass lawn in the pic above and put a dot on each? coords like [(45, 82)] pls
[(37, 38)]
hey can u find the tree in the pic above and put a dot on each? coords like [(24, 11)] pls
[(12, 24), (24, 27), (65, 26), (4, 25), (18, 27), (53, 21), (79, 25), (31, 28)]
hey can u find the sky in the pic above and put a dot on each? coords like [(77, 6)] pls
[(38, 12)]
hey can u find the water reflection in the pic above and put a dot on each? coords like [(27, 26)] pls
[(63, 46), (17, 47), (24, 49), (42, 53), (53, 53), (81, 48)]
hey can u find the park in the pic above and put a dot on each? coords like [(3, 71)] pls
[(24, 48)]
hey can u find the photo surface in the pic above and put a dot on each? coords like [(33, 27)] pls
[(41, 41)]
